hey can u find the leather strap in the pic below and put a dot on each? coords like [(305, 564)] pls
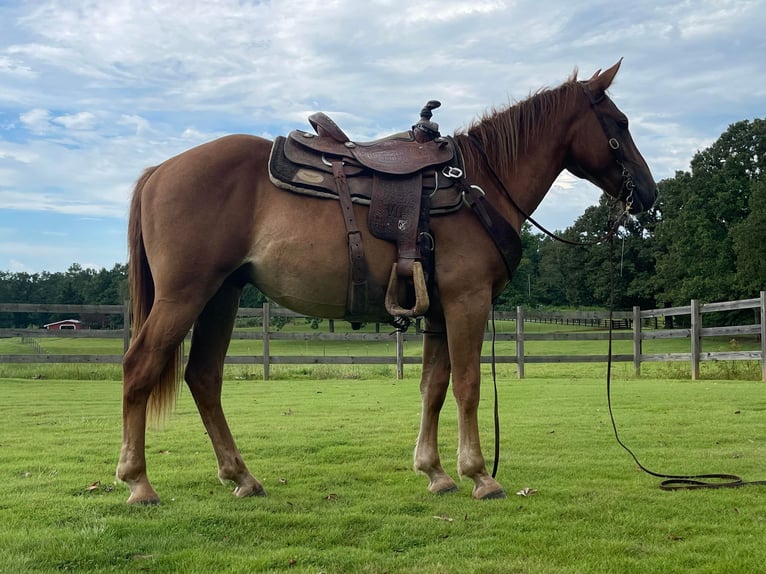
[(500, 230), (672, 481), (356, 304)]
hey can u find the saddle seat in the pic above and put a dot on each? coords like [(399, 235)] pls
[(397, 154)]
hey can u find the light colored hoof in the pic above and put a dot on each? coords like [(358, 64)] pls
[(497, 494), (447, 489), (244, 492), (144, 497), (144, 502), (141, 492), (442, 485), (488, 488)]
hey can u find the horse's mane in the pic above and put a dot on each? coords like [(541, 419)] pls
[(506, 132)]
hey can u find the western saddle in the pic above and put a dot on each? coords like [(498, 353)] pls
[(398, 176)]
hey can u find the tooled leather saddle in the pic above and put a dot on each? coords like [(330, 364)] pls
[(399, 177)]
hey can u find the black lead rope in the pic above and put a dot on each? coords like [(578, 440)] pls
[(497, 410), (672, 481)]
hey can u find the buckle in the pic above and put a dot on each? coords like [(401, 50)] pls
[(452, 172)]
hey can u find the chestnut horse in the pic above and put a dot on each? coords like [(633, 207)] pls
[(208, 221)]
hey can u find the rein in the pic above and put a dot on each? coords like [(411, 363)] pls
[(476, 199), (482, 152), (672, 481)]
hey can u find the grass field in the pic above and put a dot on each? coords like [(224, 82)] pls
[(335, 457)]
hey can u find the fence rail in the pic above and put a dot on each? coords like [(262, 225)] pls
[(633, 321)]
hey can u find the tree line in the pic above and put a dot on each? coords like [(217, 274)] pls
[(704, 239)]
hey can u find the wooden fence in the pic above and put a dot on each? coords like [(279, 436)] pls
[(630, 326)]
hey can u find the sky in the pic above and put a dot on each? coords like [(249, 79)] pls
[(92, 92)]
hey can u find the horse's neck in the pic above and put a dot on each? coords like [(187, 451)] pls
[(537, 166)]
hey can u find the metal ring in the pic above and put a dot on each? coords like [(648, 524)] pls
[(430, 238), (452, 172), (614, 144)]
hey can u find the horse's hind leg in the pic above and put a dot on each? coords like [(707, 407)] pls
[(204, 376), (143, 365), (433, 390)]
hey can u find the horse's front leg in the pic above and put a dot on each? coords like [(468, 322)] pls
[(466, 335), (433, 390)]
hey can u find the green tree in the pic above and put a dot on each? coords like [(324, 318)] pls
[(750, 244), (699, 211), (585, 276)]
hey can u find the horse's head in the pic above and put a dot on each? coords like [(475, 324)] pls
[(602, 150)]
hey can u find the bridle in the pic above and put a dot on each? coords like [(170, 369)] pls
[(613, 139), (628, 185)]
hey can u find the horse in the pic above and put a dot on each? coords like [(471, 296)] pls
[(206, 222)]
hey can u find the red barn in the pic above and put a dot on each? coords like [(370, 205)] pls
[(66, 324)]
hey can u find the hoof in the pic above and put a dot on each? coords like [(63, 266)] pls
[(151, 502), (442, 485), (496, 494), (144, 501), (143, 494), (242, 492), (447, 489)]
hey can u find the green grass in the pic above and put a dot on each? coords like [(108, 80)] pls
[(335, 457)]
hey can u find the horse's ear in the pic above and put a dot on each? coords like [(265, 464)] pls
[(599, 83), (594, 76)]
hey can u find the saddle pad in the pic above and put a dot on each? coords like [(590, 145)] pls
[(314, 178)]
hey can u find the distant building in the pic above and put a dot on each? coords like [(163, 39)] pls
[(65, 325)]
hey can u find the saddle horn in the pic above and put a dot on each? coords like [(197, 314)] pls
[(425, 130)]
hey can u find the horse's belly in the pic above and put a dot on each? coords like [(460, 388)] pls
[(311, 277)]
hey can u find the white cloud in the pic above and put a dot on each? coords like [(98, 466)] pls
[(92, 96), (34, 201), (13, 67), (78, 121), (37, 120), (19, 267), (17, 153)]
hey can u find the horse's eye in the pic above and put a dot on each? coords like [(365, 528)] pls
[(623, 123)]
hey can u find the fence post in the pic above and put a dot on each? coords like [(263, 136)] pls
[(696, 331), (763, 335), (520, 340), (637, 343), (399, 354), (125, 325), (266, 352)]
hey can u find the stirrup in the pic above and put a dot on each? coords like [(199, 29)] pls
[(421, 293)]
